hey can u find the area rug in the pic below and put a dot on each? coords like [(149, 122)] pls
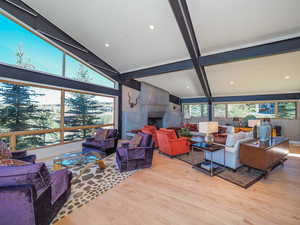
[(92, 183), (242, 176)]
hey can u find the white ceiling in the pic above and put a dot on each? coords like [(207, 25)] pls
[(183, 83), (231, 24), (263, 75), (122, 24), (219, 26)]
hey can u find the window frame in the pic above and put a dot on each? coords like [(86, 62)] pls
[(226, 110), (202, 116), (64, 52), (277, 117), (296, 109), (13, 134)]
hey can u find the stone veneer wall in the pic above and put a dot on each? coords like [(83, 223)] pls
[(152, 99)]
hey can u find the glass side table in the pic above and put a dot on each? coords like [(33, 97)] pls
[(208, 166)]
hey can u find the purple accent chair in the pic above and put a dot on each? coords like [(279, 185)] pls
[(20, 155), (128, 159), (104, 147), (29, 195)]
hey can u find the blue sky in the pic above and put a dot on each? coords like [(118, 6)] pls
[(41, 54)]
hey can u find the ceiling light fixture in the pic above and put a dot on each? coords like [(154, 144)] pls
[(231, 82), (151, 27), (287, 77), (107, 45), (187, 86)]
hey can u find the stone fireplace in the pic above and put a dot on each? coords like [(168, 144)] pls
[(153, 108)]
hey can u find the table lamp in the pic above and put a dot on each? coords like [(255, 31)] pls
[(208, 128), (254, 124)]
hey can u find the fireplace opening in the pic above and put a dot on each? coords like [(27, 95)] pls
[(157, 122), (156, 119)]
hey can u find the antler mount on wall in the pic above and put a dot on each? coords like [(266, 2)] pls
[(132, 103)]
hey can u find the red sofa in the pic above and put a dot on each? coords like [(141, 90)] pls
[(171, 145)]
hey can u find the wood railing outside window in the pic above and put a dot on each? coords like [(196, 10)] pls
[(11, 137)]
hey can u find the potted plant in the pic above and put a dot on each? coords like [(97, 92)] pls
[(185, 132)]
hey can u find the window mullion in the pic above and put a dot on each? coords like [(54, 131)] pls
[(62, 120), (64, 65)]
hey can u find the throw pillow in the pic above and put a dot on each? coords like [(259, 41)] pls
[(101, 135), (4, 151), (135, 141)]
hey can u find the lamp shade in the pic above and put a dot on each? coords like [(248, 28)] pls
[(208, 127), (253, 123)]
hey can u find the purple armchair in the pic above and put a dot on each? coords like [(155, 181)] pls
[(106, 146), (135, 158), (20, 155), (29, 195)]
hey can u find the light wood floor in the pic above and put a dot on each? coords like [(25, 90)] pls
[(172, 193)]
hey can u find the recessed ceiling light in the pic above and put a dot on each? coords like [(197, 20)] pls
[(107, 45), (287, 77), (187, 86), (231, 82), (151, 27)]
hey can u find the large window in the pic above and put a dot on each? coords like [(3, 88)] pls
[(287, 110), (195, 110), (220, 110), (28, 108), (77, 71), (83, 109), (262, 110), (273, 110), (31, 117), (21, 47)]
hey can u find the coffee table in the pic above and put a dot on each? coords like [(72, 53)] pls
[(73, 159), (214, 168)]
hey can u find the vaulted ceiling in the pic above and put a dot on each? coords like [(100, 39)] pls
[(219, 26)]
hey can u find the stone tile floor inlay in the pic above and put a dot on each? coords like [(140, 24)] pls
[(91, 184)]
